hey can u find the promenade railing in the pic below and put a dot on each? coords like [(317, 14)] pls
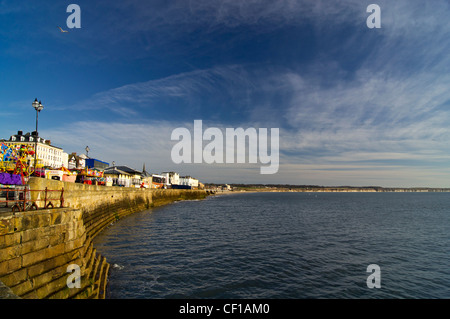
[(19, 198)]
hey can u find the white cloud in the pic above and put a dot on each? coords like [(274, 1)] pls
[(380, 114), (126, 144), (149, 143), (394, 107), (187, 88)]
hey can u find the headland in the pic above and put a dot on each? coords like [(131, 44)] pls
[(230, 188)]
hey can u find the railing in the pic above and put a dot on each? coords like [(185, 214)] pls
[(21, 198)]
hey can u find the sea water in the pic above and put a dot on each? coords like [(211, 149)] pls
[(283, 245)]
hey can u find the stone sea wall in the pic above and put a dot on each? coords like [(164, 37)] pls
[(37, 246)]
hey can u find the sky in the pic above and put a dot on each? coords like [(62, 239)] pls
[(354, 105)]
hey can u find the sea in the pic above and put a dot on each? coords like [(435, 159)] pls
[(283, 246)]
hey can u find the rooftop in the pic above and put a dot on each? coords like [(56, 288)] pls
[(29, 137)]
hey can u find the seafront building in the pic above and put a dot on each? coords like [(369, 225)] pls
[(53, 163), (47, 154), (147, 178), (76, 162), (117, 177), (134, 175), (95, 163), (123, 175), (172, 178), (189, 181)]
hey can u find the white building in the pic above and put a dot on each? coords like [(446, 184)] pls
[(189, 181), (172, 178), (47, 154), (65, 159), (117, 177)]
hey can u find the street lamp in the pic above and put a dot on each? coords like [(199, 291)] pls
[(87, 151), (38, 107)]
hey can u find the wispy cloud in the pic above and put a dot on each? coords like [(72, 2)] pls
[(126, 144), (231, 13), (386, 105), (146, 23), (196, 92), (382, 118), (360, 104), (135, 144)]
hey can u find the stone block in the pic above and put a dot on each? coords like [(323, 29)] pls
[(55, 217), (51, 287), (23, 288), (35, 245), (49, 276), (8, 240), (43, 254), (10, 252), (9, 266), (6, 226), (74, 244), (15, 277), (49, 264)]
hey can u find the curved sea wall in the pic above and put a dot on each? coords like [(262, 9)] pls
[(37, 247)]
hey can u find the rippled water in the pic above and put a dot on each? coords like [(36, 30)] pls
[(283, 245)]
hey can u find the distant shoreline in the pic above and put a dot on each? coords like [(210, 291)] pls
[(326, 189)]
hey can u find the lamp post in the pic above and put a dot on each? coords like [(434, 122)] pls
[(38, 107), (87, 151)]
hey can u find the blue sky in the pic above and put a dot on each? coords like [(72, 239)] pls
[(355, 106)]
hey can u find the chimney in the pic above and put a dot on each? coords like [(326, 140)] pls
[(20, 133), (48, 142)]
